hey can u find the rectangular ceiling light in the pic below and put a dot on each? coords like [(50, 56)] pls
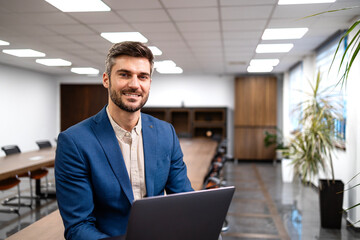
[(264, 62), (259, 69), (274, 48), (288, 2), (24, 53), (167, 67), (155, 51), (283, 33), (165, 64), (173, 70), (53, 62), (116, 37), (4, 43), (79, 5), (85, 70)]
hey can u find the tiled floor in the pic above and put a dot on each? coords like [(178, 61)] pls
[(262, 208)]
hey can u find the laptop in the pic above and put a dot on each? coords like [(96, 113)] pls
[(197, 215)]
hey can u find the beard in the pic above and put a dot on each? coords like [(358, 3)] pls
[(116, 98)]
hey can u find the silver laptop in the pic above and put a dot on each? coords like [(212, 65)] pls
[(197, 215)]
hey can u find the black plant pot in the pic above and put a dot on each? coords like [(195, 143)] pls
[(331, 200)]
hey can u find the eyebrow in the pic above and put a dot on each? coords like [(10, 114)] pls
[(127, 71)]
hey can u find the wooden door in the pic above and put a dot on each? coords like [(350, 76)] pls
[(255, 113), (78, 102)]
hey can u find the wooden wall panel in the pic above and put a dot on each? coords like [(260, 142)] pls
[(255, 113), (78, 102), (250, 144), (255, 101)]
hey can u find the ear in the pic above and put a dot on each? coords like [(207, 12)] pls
[(106, 80)]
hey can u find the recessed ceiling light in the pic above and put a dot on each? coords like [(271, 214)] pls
[(171, 70), (155, 51), (258, 68), (79, 5), (4, 43), (167, 67), (287, 2), (116, 37), (264, 62), (53, 62), (85, 70), (274, 48), (24, 53), (283, 33), (165, 64)]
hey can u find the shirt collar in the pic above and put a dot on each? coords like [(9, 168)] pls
[(119, 131)]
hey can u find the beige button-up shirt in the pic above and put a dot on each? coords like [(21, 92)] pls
[(131, 145)]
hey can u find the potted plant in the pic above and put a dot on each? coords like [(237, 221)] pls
[(277, 140), (312, 147)]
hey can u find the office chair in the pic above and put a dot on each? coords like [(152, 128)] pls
[(10, 149), (9, 183), (32, 175), (43, 144)]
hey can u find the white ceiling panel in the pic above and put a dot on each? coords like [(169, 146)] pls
[(291, 22), (155, 27), (86, 38), (244, 25), (241, 44), (148, 15), (242, 35), (131, 4), (206, 26), (71, 29), (35, 18), (97, 17), (162, 36), (202, 35), (189, 3), (246, 12), (206, 43), (194, 14), (111, 27), (299, 11), (21, 6), (247, 2)]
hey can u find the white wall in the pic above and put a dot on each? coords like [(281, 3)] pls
[(27, 103)]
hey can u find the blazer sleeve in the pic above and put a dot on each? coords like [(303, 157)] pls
[(178, 180), (73, 192)]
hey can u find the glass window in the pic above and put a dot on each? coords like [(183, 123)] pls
[(295, 87), (330, 79)]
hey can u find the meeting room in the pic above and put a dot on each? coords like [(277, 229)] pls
[(190, 119)]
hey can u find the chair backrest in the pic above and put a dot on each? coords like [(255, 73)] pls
[(44, 144), (11, 149)]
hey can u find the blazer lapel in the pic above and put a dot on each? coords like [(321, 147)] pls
[(106, 136), (149, 143)]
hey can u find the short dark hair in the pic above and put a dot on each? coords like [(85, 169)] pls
[(128, 48)]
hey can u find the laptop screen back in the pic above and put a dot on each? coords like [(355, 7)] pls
[(192, 216)]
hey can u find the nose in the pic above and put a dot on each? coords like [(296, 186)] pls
[(134, 82)]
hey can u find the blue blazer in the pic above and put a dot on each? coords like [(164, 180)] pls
[(93, 189)]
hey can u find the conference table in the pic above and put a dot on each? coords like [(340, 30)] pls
[(20, 163), (198, 153)]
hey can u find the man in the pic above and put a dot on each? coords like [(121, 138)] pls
[(117, 156)]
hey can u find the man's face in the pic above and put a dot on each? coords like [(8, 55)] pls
[(129, 83)]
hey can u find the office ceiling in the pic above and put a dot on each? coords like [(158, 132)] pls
[(200, 36)]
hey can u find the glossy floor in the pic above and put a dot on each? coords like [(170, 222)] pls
[(263, 207), (266, 208)]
